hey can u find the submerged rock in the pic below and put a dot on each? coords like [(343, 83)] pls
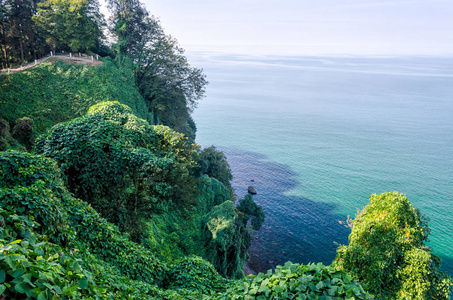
[(251, 190)]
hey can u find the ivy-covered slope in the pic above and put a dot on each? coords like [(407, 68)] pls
[(54, 245), (52, 93)]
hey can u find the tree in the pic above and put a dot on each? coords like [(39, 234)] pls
[(226, 237), (214, 163), (387, 252), (251, 210), (74, 25), (171, 87), (127, 169), (17, 30)]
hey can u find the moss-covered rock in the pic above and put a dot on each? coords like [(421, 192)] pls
[(226, 239)]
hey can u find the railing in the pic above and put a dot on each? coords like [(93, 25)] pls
[(73, 56)]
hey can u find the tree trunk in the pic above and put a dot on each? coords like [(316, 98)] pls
[(5, 56), (21, 47)]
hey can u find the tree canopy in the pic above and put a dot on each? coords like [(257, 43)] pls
[(169, 84), (29, 29), (387, 252), (72, 25), (126, 168)]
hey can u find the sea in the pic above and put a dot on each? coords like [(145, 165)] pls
[(317, 135)]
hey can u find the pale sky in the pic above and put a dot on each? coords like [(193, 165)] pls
[(313, 27)]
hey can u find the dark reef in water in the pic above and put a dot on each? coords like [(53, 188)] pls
[(296, 229)]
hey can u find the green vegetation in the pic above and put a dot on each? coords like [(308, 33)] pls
[(116, 205), (295, 281), (214, 163), (37, 213), (125, 168), (170, 86), (387, 252), (53, 93), (29, 29), (59, 24)]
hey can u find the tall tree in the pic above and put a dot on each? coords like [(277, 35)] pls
[(16, 29), (74, 25), (170, 85)]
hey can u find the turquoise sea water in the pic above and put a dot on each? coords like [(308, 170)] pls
[(318, 135)]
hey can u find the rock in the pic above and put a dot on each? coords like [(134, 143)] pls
[(253, 180), (251, 190)]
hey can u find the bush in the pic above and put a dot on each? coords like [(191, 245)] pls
[(251, 210), (217, 166), (387, 252), (24, 132), (127, 169), (226, 240), (93, 258), (294, 281), (194, 273)]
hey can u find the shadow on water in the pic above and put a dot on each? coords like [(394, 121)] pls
[(447, 264), (296, 229)]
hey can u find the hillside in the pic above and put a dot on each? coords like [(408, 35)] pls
[(55, 244)]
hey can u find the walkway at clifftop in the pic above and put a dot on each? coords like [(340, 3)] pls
[(83, 59)]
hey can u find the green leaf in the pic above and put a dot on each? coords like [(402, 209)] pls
[(2, 288), (20, 288), (42, 296), (18, 273), (83, 282), (2, 276)]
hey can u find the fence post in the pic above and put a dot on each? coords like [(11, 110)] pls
[(50, 53), (92, 58), (36, 62), (8, 70), (97, 57), (70, 54), (80, 55)]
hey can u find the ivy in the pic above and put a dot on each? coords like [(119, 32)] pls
[(295, 281), (127, 169), (387, 252)]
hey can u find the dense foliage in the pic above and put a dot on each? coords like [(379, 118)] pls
[(214, 163), (29, 29), (55, 245), (74, 25), (226, 239), (127, 169), (53, 93), (154, 186), (294, 281), (169, 84), (173, 235), (387, 252)]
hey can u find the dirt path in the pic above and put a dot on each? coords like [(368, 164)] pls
[(84, 60)]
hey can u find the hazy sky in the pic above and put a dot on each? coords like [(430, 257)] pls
[(309, 26)]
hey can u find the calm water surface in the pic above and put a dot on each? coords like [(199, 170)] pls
[(318, 135)]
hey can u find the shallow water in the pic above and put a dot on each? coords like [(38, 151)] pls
[(318, 135)]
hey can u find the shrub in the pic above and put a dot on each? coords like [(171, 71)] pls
[(295, 281), (127, 169), (196, 274), (24, 132), (226, 240), (4, 129), (217, 166), (387, 252)]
